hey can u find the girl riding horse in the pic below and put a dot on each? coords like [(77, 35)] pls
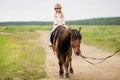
[(58, 20)]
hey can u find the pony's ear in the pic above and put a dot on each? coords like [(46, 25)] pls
[(79, 29), (70, 30)]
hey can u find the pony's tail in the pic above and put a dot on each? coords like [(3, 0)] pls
[(64, 58)]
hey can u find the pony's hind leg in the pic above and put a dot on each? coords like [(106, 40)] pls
[(66, 68), (61, 72)]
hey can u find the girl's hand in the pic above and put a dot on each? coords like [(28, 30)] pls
[(56, 24), (61, 25)]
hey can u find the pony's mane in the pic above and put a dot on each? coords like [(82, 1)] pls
[(76, 35)]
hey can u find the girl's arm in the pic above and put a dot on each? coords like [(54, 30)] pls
[(63, 21), (55, 22)]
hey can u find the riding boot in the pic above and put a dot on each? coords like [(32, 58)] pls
[(50, 44)]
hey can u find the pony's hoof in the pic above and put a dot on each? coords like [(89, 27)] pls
[(60, 76), (67, 78), (67, 75), (71, 71)]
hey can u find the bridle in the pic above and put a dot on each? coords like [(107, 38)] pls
[(75, 45)]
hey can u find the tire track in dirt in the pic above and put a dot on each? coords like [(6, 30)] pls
[(109, 70)]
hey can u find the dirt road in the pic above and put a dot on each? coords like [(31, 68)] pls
[(109, 70)]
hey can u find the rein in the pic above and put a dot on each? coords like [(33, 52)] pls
[(102, 59), (75, 45), (87, 59)]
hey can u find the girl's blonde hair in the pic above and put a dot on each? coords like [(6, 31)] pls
[(61, 15)]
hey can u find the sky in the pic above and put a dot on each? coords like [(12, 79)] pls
[(43, 10)]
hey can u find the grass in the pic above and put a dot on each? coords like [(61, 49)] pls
[(22, 28), (21, 57), (104, 37)]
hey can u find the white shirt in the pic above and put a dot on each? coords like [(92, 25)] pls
[(58, 20)]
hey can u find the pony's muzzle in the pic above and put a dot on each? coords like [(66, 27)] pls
[(77, 52)]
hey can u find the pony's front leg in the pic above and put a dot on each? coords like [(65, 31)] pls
[(71, 69), (70, 60)]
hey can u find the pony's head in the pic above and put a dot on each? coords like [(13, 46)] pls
[(76, 40)]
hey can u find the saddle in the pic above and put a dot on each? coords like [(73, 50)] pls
[(55, 32)]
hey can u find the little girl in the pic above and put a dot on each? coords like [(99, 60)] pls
[(58, 19)]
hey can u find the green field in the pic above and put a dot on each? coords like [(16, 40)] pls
[(22, 57), (103, 37), (106, 37)]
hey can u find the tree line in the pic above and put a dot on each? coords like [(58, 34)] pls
[(95, 21)]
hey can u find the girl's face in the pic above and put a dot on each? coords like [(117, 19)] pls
[(58, 10)]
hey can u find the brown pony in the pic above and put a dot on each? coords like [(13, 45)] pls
[(63, 41)]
